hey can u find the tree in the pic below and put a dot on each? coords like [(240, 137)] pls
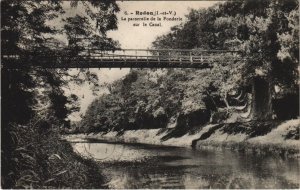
[(23, 26), (26, 33), (265, 31)]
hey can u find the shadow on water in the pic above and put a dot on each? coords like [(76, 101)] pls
[(145, 166)]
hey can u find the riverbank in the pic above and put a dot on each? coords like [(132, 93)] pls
[(40, 159), (279, 138)]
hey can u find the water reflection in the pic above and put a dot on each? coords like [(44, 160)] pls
[(137, 166), (104, 152)]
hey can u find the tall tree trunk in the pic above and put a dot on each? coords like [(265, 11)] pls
[(261, 99)]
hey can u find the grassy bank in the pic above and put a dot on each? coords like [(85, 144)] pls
[(273, 137), (38, 158), (279, 138)]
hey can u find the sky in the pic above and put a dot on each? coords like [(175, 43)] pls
[(133, 37), (142, 37)]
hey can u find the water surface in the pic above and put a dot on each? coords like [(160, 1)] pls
[(145, 166)]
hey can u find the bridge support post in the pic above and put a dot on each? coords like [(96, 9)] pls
[(158, 58), (124, 57), (147, 57), (191, 58), (136, 56)]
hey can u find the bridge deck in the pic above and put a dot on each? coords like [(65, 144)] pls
[(95, 58)]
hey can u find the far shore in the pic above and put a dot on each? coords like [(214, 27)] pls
[(277, 142)]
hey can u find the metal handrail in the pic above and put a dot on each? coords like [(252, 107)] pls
[(164, 50), (93, 58)]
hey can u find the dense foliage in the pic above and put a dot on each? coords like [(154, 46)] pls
[(28, 29), (265, 31), (266, 34)]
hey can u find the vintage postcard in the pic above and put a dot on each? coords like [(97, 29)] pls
[(105, 94)]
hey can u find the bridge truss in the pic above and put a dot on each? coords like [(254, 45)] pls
[(121, 58)]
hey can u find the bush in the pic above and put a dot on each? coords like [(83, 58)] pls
[(36, 157)]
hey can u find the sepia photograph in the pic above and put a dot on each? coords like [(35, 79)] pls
[(150, 94)]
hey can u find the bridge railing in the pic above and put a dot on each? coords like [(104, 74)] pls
[(155, 54), (123, 58)]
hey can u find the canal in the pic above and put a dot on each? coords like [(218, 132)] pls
[(146, 166)]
